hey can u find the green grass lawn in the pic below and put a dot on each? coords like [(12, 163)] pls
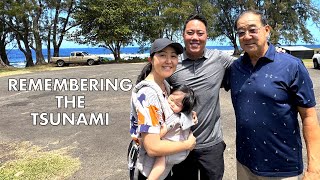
[(26, 161)]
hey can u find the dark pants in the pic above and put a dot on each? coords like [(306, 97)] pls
[(209, 161)]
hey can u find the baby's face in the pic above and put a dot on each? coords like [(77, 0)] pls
[(175, 101)]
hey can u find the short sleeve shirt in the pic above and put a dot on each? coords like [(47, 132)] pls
[(204, 76), (150, 116), (265, 99), (147, 113)]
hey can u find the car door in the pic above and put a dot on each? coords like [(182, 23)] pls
[(78, 58)]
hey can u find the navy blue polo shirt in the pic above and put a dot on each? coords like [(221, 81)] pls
[(265, 98)]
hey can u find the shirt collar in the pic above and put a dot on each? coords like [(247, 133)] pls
[(269, 56), (204, 56)]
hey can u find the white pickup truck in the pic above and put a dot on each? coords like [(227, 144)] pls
[(316, 61), (76, 57)]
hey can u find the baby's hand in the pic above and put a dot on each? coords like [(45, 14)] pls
[(194, 117), (163, 130)]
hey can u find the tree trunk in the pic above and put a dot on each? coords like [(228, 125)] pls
[(3, 54), (49, 45), (59, 33), (27, 51), (235, 47), (236, 50), (36, 34), (38, 48), (117, 56), (2, 64), (29, 61), (55, 51)]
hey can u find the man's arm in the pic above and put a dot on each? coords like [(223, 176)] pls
[(311, 134)]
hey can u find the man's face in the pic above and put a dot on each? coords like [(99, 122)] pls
[(253, 35), (195, 38)]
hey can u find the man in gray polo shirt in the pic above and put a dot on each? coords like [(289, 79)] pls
[(202, 70)]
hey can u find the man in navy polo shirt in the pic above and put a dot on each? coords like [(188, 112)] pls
[(268, 90)]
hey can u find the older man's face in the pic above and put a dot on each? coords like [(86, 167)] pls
[(253, 35)]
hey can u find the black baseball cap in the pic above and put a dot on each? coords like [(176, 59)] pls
[(162, 43)]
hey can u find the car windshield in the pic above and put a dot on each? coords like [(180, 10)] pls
[(85, 53)]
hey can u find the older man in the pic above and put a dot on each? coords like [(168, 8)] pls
[(268, 90)]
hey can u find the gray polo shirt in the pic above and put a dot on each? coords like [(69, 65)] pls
[(204, 76)]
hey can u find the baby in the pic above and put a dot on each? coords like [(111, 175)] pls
[(176, 128)]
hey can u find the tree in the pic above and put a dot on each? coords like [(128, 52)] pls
[(224, 19), (22, 19), (61, 22), (109, 24), (287, 18), (5, 37), (19, 23), (36, 14), (162, 19)]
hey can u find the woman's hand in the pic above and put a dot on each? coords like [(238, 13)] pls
[(191, 141)]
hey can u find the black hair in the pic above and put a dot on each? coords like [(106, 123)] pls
[(195, 17), (144, 72), (189, 100), (263, 19)]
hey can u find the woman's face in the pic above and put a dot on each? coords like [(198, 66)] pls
[(164, 62)]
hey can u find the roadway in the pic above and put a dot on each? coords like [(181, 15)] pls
[(101, 148)]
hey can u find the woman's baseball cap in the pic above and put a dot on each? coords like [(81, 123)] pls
[(162, 43)]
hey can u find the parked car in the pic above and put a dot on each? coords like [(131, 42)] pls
[(316, 61), (76, 57)]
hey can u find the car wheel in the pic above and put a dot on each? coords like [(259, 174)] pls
[(315, 64), (90, 62), (60, 63)]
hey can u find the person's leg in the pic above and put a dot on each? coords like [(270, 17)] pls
[(211, 161), (158, 168), (244, 173), (187, 169)]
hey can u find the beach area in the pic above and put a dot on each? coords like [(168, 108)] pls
[(17, 58)]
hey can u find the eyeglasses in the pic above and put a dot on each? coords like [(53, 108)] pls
[(253, 31)]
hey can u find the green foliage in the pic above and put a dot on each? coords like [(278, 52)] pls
[(117, 23), (287, 18), (110, 24)]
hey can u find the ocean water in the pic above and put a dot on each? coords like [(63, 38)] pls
[(17, 58)]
